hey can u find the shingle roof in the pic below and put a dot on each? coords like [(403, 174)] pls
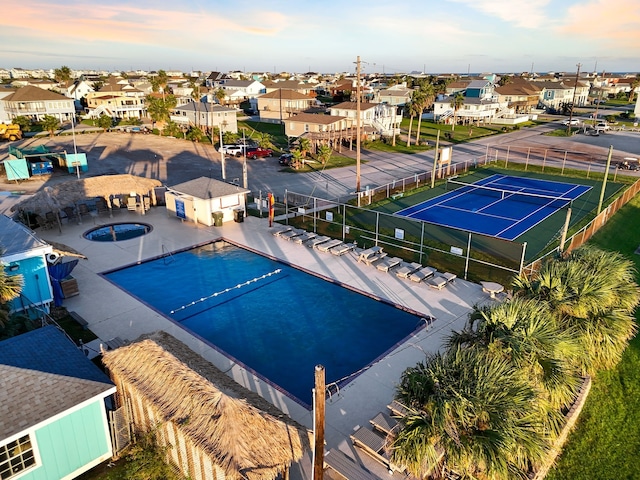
[(202, 107), (43, 374), (205, 187), (286, 94), (32, 94), (353, 105), (16, 238)]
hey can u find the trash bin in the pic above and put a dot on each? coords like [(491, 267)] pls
[(217, 219), (238, 215)]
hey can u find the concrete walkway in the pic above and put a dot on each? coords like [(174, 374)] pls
[(111, 312)]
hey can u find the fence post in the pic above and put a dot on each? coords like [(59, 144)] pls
[(344, 221), (286, 206), (544, 159), (421, 242), (466, 263), (315, 215), (486, 155), (377, 226), (260, 202), (524, 249), (526, 163), (506, 162), (564, 160)]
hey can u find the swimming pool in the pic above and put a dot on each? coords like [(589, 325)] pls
[(114, 232), (276, 320)]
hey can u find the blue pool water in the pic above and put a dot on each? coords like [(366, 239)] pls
[(114, 232), (280, 325)]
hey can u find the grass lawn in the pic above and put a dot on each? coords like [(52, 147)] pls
[(606, 441)]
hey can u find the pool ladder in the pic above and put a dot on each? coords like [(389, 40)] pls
[(167, 256)]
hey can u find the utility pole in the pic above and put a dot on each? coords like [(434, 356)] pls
[(573, 101), (318, 423), (358, 126)]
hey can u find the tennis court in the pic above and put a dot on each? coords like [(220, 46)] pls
[(502, 206)]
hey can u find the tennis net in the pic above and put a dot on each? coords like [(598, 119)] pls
[(502, 194)]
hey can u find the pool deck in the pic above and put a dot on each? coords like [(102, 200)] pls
[(111, 313)]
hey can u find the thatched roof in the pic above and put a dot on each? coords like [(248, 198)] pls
[(55, 197), (244, 434), (65, 250)]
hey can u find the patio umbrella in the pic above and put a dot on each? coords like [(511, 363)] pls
[(240, 432), (65, 250)]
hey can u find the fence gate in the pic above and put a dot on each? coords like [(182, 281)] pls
[(120, 431)]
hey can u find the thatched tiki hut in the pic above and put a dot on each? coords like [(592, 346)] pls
[(73, 192), (216, 429)]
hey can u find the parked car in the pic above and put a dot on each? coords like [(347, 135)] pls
[(257, 152), (285, 159), (574, 122), (234, 150), (602, 127)]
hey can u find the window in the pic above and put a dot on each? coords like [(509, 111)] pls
[(15, 457)]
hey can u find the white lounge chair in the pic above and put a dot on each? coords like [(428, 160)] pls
[(406, 269), (364, 254), (388, 263), (373, 259), (326, 246), (304, 237), (422, 274), (294, 232), (317, 241), (277, 231), (442, 280), (342, 248), (346, 467)]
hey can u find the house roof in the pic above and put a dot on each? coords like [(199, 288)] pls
[(517, 89), (205, 187), (286, 84), (315, 118), (203, 107), (43, 374), (242, 433), (16, 238), (478, 84), (32, 94), (238, 83), (286, 94), (354, 106)]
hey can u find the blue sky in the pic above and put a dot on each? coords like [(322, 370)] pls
[(412, 35)]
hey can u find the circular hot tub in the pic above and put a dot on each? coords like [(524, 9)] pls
[(114, 232)]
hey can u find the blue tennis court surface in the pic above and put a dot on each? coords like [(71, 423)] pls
[(502, 206)]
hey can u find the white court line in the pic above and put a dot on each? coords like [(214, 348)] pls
[(479, 213), (535, 211)]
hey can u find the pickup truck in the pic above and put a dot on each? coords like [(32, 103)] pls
[(257, 152), (602, 127), (234, 150)]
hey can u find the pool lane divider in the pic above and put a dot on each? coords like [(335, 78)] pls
[(226, 290)]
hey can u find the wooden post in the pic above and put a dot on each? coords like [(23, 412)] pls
[(435, 161), (318, 421), (563, 237), (604, 180)]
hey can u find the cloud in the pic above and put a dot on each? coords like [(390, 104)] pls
[(529, 14), (617, 22), (124, 23)]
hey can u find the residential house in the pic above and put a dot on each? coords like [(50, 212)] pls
[(216, 79), (556, 95), (281, 104), (35, 103), (117, 99), (237, 91), (23, 253), (473, 109), (206, 116), (53, 419), (76, 89), (395, 95), (308, 89), (378, 118), (458, 86), (44, 83), (519, 95), (314, 126)]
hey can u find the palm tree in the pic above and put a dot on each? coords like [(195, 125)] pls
[(594, 293), (297, 158), (419, 100), (263, 139), (24, 122), (305, 145), (10, 288), (62, 74), (526, 333), (104, 122), (427, 97), (634, 84), (220, 95), (324, 154), (456, 103), (195, 134), (414, 109), (50, 124), (469, 412)]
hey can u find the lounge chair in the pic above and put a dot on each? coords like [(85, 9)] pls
[(346, 467), (369, 252), (304, 237), (388, 263), (422, 274), (294, 232), (373, 443), (398, 409), (406, 269), (438, 282), (342, 248), (449, 277), (277, 231), (384, 423), (317, 241), (373, 259), (326, 246)]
